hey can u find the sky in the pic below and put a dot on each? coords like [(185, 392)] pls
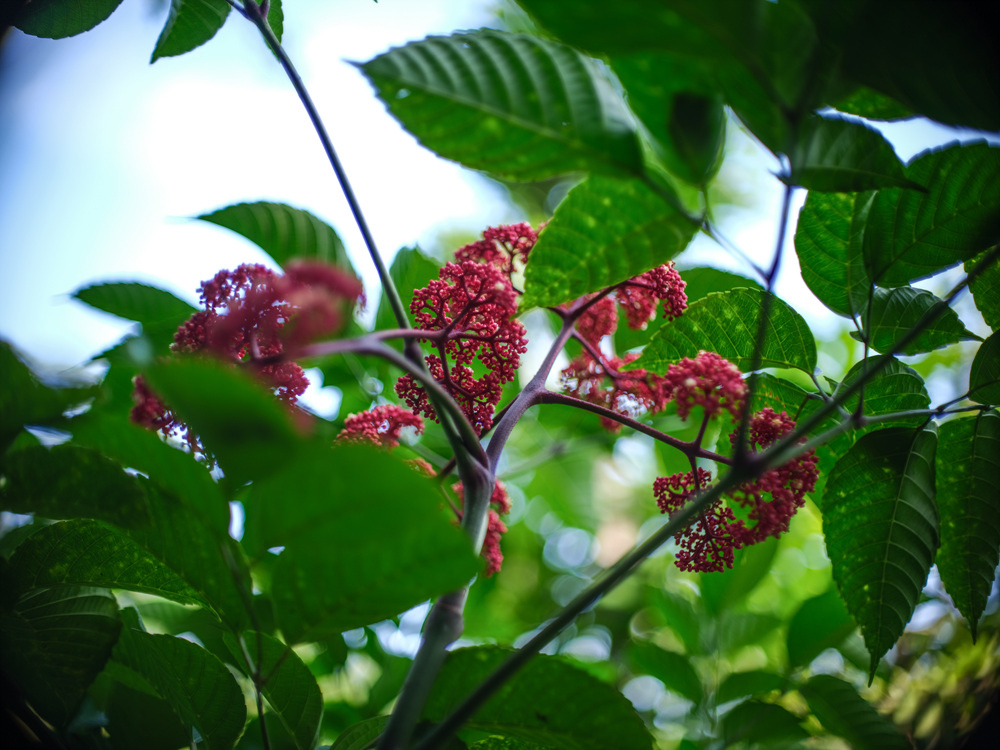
[(104, 158)]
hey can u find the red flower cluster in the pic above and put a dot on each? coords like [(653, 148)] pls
[(708, 381), (709, 543), (471, 306), (638, 296), (380, 426), (504, 247), (629, 392), (495, 528)]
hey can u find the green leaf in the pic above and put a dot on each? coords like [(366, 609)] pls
[(829, 240), (364, 540), (912, 235), (984, 375), (520, 107), (154, 308), (968, 497), (136, 718), (870, 104), (410, 270), (245, 427), (276, 18), (753, 683), (983, 287), (58, 19), (727, 588), (360, 736), (895, 311), (54, 642), (727, 323), (881, 527), (765, 723), (846, 714), (820, 623), (67, 481), (672, 669), (283, 232), (604, 232), (835, 155), (290, 688), (702, 281), (198, 686), (532, 706), (738, 630), (190, 24)]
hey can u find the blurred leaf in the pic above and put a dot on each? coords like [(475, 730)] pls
[(157, 310), (364, 540), (57, 19), (54, 642), (532, 706), (983, 288), (680, 616), (701, 281), (754, 683), (190, 24), (881, 528), (361, 735), (290, 688), (968, 498), (765, 723), (138, 719), (283, 232), (604, 232), (519, 107), (846, 714), (820, 623), (912, 235), (727, 323), (245, 427), (829, 240), (870, 104), (895, 311), (195, 683), (727, 588), (844, 156), (67, 481), (410, 270), (697, 133), (673, 670), (739, 629), (984, 376)]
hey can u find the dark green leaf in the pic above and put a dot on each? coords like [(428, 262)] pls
[(846, 714), (604, 232), (359, 520), (755, 683), (820, 623), (532, 706), (911, 235), (138, 719), (895, 311), (198, 686), (89, 553), (968, 497), (984, 376), (361, 735), (870, 104), (844, 156), (276, 18), (881, 527), (765, 723), (154, 308), (829, 240), (72, 482), (283, 232), (519, 107), (727, 323), (673, 670), (984, 289), (245, 427), (54, 642), (190, 24), (57, 19), (290, 689), (697, 133)]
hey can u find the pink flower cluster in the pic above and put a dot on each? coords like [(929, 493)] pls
[(471, 308), (495, 528), (628, 392), (503, 247), (708, 381), (380, 426), (638, 296)]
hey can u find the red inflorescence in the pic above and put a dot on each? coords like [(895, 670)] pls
[(495, 528), (708, 381), (472, 305), (638, 296), (380, 426), (504, 247), (629, 392), (599, 320)]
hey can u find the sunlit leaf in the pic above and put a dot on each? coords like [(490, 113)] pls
[(820, 623), (532, 706), (190, 24), (881, 527), (984, 375), (606, 230), (290, 688), (829, 241), (895, 311), (674, 670), (984, 287), (968, 497), (727, 323), (57, 19), (152, 307), (54, 642), (755, 683), (198, 686), (870, 104), (844, 156), (520, 107), (911, 234), (283, 232), (846, 714)]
